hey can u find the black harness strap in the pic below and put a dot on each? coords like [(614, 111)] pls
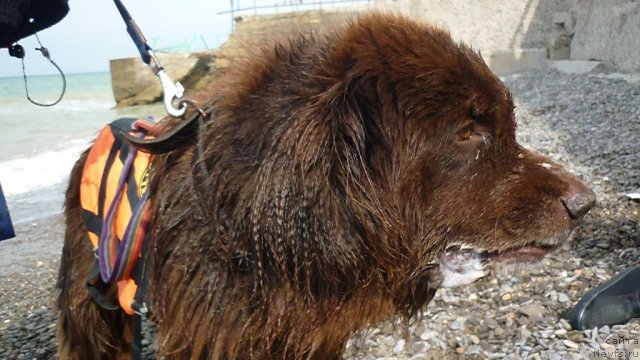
[(169, 141), (103, 187), (92, 222), (141, 277), (97, 289), (136, 345)]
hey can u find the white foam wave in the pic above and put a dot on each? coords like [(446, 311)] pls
[(86, 105), (25, 174)]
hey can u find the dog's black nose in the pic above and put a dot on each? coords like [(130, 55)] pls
[(578, 200)]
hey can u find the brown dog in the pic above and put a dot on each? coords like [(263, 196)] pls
[(349, 176)]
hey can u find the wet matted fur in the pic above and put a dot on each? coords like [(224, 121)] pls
[(339, 170)]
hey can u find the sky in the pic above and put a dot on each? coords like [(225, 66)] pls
[(93, 32)]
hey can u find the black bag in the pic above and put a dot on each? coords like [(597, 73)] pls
[(16, 17)]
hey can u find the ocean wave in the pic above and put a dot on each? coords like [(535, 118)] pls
[(20, 106), (41, 170)]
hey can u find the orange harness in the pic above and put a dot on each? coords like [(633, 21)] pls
[(116, 211)]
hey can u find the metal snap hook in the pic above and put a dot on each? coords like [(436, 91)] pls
[(172, 91)]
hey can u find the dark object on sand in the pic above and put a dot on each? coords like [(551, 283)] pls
[(349, 175), (22, 18), (615, 302), (6, 228)]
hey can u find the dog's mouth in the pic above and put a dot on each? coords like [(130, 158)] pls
[(462, 264), (528, 253)]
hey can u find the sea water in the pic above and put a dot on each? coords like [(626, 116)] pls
[(39, 145)]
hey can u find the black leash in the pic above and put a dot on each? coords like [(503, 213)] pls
[(17, 51), (136, 34), (172, 91)]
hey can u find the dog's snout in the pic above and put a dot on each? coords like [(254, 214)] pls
[(578, 200)]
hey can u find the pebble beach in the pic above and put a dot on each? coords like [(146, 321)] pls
[(589, 122)]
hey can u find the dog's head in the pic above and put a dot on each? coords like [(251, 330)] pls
[(434, 131)]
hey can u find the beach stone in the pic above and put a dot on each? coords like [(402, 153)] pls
[(456, 325), (571, 344), (399, 347), (560, 332), (524, 334), (533, 311), (565, 324), (420, 346), (429, 334), (491, 323), (498, 355)]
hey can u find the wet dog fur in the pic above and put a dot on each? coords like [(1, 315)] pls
[(344, 173)]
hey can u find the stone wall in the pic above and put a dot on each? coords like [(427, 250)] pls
[(499, 29), (607, 31), (602, 30), (490, 25), (133, 83), (250, 30), (487, 25)]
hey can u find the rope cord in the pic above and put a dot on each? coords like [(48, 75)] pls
[(46, 54)]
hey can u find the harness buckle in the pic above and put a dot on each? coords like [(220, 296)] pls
[(140, 310)]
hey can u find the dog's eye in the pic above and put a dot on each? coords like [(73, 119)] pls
[(466, 132)]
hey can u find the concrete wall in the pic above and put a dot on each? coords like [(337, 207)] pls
[(258, 29), (490, 25), (512, 35), (133, 83), (601, 30), (607, 31), (487, 25), (499, 29)]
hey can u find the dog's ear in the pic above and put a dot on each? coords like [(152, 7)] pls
[(352, 112), (355, 100)]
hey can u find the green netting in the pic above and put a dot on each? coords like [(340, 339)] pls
[(188, 43)]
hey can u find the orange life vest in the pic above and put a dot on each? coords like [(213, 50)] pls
[(98, 189)]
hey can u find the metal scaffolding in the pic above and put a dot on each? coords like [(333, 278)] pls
[(236, 8)]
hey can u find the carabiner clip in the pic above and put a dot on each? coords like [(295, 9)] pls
[(171, 92)]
